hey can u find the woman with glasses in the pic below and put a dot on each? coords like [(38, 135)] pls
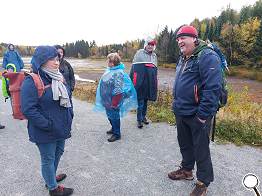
[(50, 116)]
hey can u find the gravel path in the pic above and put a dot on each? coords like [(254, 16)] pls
[(136, 165)]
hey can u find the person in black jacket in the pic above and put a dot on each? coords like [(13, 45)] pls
[(196, 92), (65, 68), (143, 73)]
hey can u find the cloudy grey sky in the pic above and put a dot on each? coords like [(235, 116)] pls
[(35, 22)]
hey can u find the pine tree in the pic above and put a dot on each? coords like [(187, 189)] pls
[(257, 9), (245, 14), (211, 32), (207, 30), (162, 45)]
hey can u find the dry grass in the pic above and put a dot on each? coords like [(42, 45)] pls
[(85, 91), (242, 72)]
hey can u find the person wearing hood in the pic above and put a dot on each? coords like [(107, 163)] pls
[(144, 76), (13, 57), (65, 68), (196, 93), (50, 117), (5, 82), (115, 95)]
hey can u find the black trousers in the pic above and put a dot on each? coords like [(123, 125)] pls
[(193, 139)]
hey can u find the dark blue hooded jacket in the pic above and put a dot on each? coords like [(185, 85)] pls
[(47, 120), (12, 56), (198, 84)]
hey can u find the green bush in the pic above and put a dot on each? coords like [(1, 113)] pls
[(161, 111), (239, 132), (241, 120)]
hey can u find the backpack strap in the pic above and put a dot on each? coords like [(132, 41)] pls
[(39, 84)]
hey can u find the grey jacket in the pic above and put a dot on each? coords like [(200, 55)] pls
[(142, 56)]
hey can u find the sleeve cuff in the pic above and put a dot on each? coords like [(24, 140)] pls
[(201, 117)]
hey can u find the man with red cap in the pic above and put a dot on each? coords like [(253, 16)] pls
[(143, 73), (196, 92)]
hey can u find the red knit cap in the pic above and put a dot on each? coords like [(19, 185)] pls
[(153, 42), (187, 31)]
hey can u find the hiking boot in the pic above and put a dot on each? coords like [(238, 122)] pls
[(61, 191), (145, 121), (199, 190), (2, 126), (59, 178), (139, 124), (181, 174), (114, 138), (109, 132)]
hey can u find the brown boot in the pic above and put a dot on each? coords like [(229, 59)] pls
[(199, 190), (181, 174)]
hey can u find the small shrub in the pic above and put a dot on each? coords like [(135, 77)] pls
[(86, 92), (241, 120), (161, 110)]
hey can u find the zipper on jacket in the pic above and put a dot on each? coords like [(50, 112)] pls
[(184, 67), (196, 93)]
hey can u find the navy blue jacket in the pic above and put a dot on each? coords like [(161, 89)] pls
[(47, 120), (198, 84), (145, 81)]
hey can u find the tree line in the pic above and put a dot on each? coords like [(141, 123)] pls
[(238, 34)]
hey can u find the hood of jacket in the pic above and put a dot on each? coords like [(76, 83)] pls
[(12, 66), (202, 45), (41, 55), (142, 56), (120, 66)]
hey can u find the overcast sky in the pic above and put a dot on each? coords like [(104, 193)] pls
[(35, 22)]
